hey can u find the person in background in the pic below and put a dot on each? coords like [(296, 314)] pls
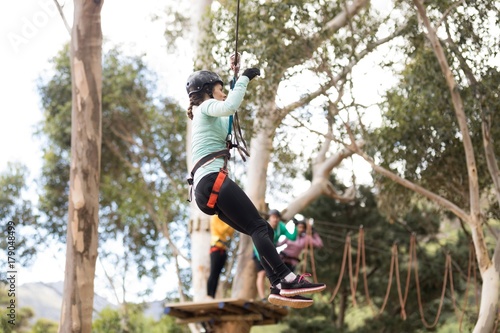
[(221, 235), (279, 228), (291, 253)]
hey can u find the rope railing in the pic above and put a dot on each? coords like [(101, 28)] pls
[(471, 267), (353, 272)]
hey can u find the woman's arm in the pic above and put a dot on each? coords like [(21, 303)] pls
[(315, 240), (233, 101)]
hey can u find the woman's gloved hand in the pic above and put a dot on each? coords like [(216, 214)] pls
[(250, 73)]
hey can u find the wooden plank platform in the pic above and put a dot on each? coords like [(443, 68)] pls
[(227, 309)]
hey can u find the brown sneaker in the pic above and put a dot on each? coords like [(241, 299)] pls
[(300, 286), (296, 302)]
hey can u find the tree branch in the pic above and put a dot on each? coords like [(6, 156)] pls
[(475, 217), (491, 160), (404, 182), (345, 71), (59, 8)]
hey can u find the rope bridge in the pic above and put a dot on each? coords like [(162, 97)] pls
[(412, 264)]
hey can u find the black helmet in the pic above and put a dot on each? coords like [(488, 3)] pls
[(199, 79), (274, 212)]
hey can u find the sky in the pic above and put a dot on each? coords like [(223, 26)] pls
[(31, 33)]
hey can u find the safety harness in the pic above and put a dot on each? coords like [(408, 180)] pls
[(220, 177)]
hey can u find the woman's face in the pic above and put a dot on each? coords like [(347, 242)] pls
[(218, 92), (301, 228)]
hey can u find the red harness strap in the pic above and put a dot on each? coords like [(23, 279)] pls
[(216, 188), (217, 249)]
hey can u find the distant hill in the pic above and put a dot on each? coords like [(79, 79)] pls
[(46, 298)]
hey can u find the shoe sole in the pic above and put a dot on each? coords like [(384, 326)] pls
[(290, 302), (295, 292)]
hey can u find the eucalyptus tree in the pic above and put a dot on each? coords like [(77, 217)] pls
[(438, 138), (272, 41), (198, 221), (83, 206), (142, 191)]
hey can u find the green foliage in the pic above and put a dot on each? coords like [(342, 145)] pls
[(44, 326), (143, 157), (13, 319), (293, 45), (420, 138), (108, 321), (284, 39), (13, 207), (278, 328), (131, 319), (334, 221)]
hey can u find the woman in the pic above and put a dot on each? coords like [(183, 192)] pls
[(209, 109)]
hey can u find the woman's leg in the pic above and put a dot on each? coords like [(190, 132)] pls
[(261, 284), (236, 209)]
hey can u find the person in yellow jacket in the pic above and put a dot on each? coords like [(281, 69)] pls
[(221, 234)]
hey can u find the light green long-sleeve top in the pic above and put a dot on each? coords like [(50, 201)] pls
[(210, 127)]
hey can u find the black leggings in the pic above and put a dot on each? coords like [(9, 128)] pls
[(217, 260), (237, 210)]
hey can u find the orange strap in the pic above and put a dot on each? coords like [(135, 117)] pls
[(216, 249), (216, 188)]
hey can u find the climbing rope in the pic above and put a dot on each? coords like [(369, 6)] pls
[(419, 298), (234, 123), (347, 249), (394, 254), (309, 251), (471, 267)]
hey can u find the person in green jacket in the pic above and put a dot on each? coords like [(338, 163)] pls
[(279, 228)]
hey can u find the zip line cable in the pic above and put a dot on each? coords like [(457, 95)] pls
[(237, 30)]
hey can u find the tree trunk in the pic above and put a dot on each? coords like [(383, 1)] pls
[(81, 250), (199, 223), (489, 271), (342, 309), (233, 327), (260, 154)]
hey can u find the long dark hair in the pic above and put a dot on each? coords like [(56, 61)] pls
[(198, 97)]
